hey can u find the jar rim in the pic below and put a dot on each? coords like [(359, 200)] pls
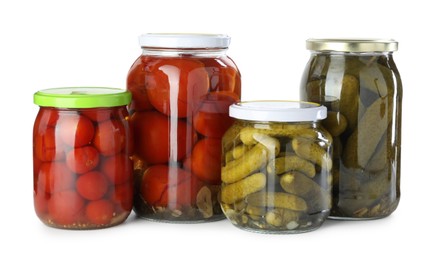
[(352, 45), (82, 97), (184, 41), (278, 111)]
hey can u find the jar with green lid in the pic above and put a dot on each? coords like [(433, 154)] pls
[(82, 172), (276, 166), (359, 83)]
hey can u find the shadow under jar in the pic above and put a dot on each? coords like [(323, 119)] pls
[(182, 87), (359, 83), (276, 167), (83, 176)]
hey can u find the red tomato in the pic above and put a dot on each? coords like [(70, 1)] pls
[(47, 116), (110, 137), (169, 186), (223, 74), (100, 212), (185, 192), (40, 201), (53, 177), (136, 85), (92, 185), (97, 114), (123, 113), (75, 130), (45, 146), (212, 119), (187, 79), (205, 161), (65, 207), (187, 164), (36, 166), (83, 159), (118, 168), (154, 184), (154, 139), (122, 195)]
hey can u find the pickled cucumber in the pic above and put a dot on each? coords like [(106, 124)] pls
[(316, 89), (379, 159), (272, 144), (255, 211), (291, 162), (363, 141), (335, 123), (377, 78), (251, 176), (239, 190), (311, 151), (277, 200), (281, 217), (337, 148), (350, 104), (297, 183), (378, 185), (248, 134), (231, 137), (236, 152), (366, 167), (353, 64), (252, 161)]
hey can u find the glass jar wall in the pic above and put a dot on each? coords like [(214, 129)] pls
[(83, 176), (182, 86), (359, 83)]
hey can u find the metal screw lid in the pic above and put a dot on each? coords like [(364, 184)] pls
[(352, 45)]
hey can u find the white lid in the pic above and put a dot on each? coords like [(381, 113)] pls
[(181, 40), (278, 111)]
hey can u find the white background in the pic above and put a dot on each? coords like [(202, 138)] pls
[(45, 44)]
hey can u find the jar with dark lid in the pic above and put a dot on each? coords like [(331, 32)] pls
[(182, 86), (276, 167), (359, 83), (83, 175)]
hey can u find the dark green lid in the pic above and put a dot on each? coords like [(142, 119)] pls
[(82, 97)]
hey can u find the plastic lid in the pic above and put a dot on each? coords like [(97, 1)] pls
[(278, 111), (352, 45), (187, 41), (82, 97)]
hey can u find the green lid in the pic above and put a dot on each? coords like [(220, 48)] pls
[(82, 97)]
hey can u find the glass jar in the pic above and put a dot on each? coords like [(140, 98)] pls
[(83, 177), (276, 167), (182, 86), (359, 83)]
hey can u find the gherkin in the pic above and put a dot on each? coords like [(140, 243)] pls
[(362, 76)]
